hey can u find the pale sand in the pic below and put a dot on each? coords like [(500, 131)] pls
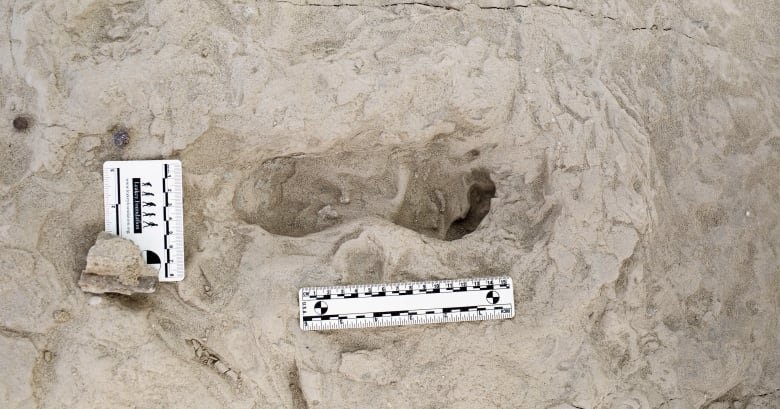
[(633, 148)]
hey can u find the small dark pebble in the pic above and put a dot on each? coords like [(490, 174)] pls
[(21, 123), (121, 138)]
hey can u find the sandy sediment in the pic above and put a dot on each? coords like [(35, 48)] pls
[(620, 160)]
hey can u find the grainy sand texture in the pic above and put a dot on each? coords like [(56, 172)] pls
[(619, 159)]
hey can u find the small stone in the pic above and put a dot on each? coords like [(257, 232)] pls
[(120, 137), (61, 316), (95, 300), (327, 213), (48, 356), (115, 265), (21, 123)]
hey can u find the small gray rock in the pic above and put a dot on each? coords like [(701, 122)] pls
[(121, 137)]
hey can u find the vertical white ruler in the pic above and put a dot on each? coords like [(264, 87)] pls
[(143, 203)]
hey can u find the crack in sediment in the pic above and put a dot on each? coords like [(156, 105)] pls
[(10, 35), (651, 28), (582, 12), (666, 402), (669, 29), (749, 398), (19, 333), (448, 7), (410, 3)]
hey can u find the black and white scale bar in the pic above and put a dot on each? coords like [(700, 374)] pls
[(143, 203), (425, 302)]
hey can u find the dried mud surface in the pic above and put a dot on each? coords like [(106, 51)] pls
[(620, 160)]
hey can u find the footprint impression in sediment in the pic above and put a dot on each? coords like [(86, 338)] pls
[(426, 190)]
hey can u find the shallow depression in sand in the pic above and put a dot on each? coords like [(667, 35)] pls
[(425, 190)]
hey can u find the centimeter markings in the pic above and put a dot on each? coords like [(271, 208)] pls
[(174, 233), (111, 198), (407, 288), (395, 321), (361, 306)]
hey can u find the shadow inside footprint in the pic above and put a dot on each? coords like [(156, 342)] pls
[(425, 190), (481, 191)]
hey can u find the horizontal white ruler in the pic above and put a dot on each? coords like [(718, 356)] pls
[(425, 302), (143, 203)]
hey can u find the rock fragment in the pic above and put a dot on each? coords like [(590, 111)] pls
[(120, 137), (115, 265)]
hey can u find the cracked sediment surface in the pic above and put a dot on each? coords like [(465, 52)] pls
[(620, 160)]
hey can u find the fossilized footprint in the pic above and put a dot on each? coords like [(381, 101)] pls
[(426, 190)]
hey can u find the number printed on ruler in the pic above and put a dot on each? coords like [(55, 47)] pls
[(425, 302), (143, 203)]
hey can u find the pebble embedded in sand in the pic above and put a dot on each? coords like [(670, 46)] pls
[(115, 265), (21, 123), (327, 213), (61, 316), (120, 137)]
